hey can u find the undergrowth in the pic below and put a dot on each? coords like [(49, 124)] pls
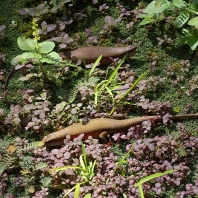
[(41, 93)]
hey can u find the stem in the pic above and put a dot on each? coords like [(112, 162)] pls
[(43, 72)]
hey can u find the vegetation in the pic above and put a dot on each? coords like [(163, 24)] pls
[(41, 93)]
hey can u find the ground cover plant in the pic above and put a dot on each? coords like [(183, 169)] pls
[(40, 93)]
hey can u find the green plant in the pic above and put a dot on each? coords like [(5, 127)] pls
[(186, 14), (37, 52), (145, 179), (85, 170), (129, 90), (109, 85), (13, 156)]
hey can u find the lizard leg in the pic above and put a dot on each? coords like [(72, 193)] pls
[(103, 137)]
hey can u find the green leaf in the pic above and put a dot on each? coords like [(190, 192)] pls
[(40, 165), (84, 154), (147, 21), (124, 195), (18, 59), (46, 181), (179, 3), (82, 163), (87, 195), (145, 179), (185, 31), (192, 42), (94, 65), (46, 47), (133, 85), (6, 162), (4, 144), (26, 44), (157, 7), (32, 145), (51, 58), (27, 55), (115, 72), (192, 8), (193, 21), (111, 94), (77, 191), (182, 18), (63, 168)]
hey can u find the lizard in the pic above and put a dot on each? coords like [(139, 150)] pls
[(96, 126), (91, 53)]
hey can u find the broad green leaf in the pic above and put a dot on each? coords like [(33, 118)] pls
[(27, 55), (51, 58), (182, 18), (18, 59), (26, 44), (179, 3), (147, 21), (193, 21), (46, 47), (156, 7)]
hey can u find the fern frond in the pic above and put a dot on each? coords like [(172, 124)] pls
[(4, 145), (32, 145), (72, 95), (40, 165), (6, 162)]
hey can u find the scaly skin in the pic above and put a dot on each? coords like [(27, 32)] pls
[(91, 53), (96, 126)]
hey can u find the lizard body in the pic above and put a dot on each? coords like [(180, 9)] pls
[(91, 53), (96, 126)]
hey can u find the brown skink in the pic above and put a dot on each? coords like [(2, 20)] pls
[(96, 126), (91, 53)]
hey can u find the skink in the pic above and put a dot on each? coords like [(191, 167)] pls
[(91, 53), (96, 126)]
